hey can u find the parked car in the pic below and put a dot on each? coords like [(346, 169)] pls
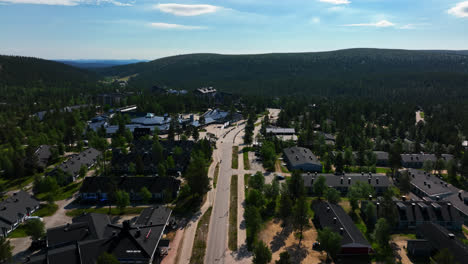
[(34, 217), (316, 246), (279, 177)]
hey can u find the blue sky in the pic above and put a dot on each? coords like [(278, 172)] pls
[(148, 29)]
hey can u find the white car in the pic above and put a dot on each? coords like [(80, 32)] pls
[(34, 217)]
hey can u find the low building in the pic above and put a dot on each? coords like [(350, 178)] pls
[(43, 154), (98, 189), (382, 158), (416, 161), (14, 210), (353, 242), (342, 183), (439, 238), (91, 235), (206, 91), (282, 133), (412, 214), (72, 166), (303, 159), (425, 184)]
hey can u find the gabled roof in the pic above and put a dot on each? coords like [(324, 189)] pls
[(298, 156), (85, 158), (14, 206), (421, 157), (43, 154), (441, 238), (347, 180), (334, 217), (430, 184), (129, 184)]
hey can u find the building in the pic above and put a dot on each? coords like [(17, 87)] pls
[(438, 238), (381, 157), (98, 189), (303, 159), (282, 133), (329, 138), (72, 166), (14, 210), (206, 91), (110, 98), (412, 214), (416, 161), (43, 154), (342, 183), (90, 235), (418, 248), (353, 242)]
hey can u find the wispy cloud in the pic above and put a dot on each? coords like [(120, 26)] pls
[(336, 2), (459, 10), (414, 26), (186, 10), (161, 25), (66, 2), (382, 23), (315, 20)]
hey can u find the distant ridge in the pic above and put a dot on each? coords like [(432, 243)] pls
[(360, 72), (90, 64)]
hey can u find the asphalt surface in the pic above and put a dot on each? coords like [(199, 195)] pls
[(217, 249)]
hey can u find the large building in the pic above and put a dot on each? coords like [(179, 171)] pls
[(98, 189), (334, 217), (14, 210), (303, 159), (72, 166), (342, 183), (282, 133), (43, 154), (91, 235), (416, 161)]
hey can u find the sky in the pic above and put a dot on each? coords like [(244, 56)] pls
[(150, 29)]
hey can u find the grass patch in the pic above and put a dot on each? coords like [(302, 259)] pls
[(284, 169), (408, 236), (382, 170), (235, 157), (16, 183), (216, 174), (20, 231), (421, 114), (199, 244), (246, 160), (46, 210), (105, 210), (232, 242), (63, 193), (246, 179)]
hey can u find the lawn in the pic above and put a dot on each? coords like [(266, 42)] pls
[(20, 231), (46, 210), (235, 157), (216, 174), (199, 244), (246, 179), (16, 183), (105, 210), (232, 242), (382, 170), (63, 193), (246, 160)]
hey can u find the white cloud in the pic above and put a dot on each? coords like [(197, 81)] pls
[(414, 26), (160, 25), (459, 10), (336, 2), (382, 23), (315, 20), (186, 10), (66, 2)]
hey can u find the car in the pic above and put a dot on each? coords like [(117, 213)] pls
[(316, 245), (280, 177), (34, 217)]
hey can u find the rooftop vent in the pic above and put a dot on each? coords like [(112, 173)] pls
[(341, 231), (451, 236), (328, 208), (334, 220)]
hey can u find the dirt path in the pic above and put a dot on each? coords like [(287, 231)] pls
[(174, 248)]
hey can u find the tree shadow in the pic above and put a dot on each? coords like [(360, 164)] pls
[(279, 240), (241, 253), (297, 252)]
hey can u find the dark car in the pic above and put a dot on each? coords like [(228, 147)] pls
[(316, 246), (280, 177)]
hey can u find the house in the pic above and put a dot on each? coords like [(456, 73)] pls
[(412, 214), (96, 189), (72, 166), (206, 91), (353, 242), (282, 133), (329, 138), (303, 159), (342, 183), (416, 161), (439, 238), (14, 210), (382, 158), (111, 98), (43, 154), (91, 235)]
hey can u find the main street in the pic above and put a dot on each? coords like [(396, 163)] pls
[(218, 231)]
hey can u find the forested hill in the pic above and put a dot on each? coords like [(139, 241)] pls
[(27, 71), (370, 72)]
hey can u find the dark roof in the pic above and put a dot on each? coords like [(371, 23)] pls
[(130, 184), (440, 238), (326, 214), (92, 234), (85, 158), (429, 184), (280, 130), (343, 180), (460, 201), (43, 154), (421, 157), (298, 156), (19, 203)]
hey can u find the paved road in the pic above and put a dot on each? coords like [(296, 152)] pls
[(217, 235)]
